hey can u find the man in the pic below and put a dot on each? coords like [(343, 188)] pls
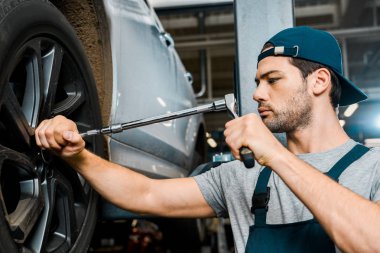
[(299, 84)]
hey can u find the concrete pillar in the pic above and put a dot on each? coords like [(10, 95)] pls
[(255, 22)]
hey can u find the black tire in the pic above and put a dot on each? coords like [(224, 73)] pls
[(45, 206)]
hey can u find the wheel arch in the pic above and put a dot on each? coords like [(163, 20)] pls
[(88, 18)]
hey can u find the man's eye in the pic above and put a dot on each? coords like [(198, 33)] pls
[(272, 80)]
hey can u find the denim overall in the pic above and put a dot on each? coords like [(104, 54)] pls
[(305, 236)]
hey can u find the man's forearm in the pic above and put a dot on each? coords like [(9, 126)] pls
[(123, 187), (350, 220), (135, 192)]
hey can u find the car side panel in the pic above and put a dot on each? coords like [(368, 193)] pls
[(146, 84)]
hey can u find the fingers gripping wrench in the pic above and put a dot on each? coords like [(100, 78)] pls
[(245, 153), (227, 103)]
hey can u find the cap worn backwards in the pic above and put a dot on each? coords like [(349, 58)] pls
[(317, 46)]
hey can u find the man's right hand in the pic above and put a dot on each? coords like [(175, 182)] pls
[(59, 135)]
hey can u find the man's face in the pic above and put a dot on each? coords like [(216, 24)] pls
[(283, 101)]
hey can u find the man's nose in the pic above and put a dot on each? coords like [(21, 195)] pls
[(260, 94)]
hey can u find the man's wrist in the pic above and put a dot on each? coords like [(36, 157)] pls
[(79, 160), (280, 157)]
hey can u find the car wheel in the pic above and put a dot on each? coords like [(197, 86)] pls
[(45, 206)]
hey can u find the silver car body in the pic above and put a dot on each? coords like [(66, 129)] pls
[(148, 79)]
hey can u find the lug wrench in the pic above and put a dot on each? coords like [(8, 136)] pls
[(218, 105), (228, 103)]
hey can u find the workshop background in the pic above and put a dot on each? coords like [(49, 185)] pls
[(205, 40), (204, 36)]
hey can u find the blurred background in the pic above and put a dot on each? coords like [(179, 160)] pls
[(203, 31)]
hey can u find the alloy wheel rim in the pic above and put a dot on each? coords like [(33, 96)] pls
[(37, 189)]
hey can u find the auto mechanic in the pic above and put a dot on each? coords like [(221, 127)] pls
[(319, 193)]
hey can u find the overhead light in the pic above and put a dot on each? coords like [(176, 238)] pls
[(342, 122), (212, 143), (350, 110), (377, 122)]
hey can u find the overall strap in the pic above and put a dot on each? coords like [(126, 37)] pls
[(261, 196), (354, 154)]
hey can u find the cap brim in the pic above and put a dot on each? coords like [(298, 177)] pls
[(351, 94)]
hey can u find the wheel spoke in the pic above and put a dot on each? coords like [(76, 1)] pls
[(63, 225), (32, 102), (38, 237), (51, 61), (14, 123), (27, 80), (22, 220), (75, 98)]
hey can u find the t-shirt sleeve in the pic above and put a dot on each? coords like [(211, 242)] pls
[(213, 185), (375, 191)]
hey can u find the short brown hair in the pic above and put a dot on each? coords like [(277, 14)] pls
[(307, 67)]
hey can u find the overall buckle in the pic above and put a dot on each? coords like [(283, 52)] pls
[(260, 200)]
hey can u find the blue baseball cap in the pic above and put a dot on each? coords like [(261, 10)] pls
[(317, 46)]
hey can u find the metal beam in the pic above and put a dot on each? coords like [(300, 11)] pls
[(356, 32), (197, 45)]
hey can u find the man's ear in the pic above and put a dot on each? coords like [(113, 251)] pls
[(321, 81)]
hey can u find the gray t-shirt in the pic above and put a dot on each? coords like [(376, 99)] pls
[(228, 189)]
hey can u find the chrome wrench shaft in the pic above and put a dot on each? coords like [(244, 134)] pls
[(218, 105)]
